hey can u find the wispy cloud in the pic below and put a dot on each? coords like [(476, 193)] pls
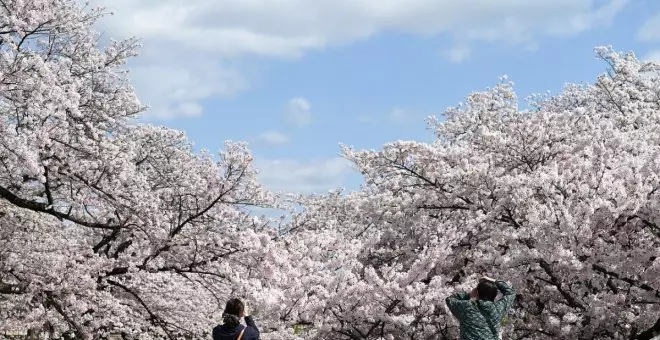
[(404, 116), (288, 28), (650, 30), (299, 111), (271, 139), (174, 91), (365, 119), (189, 46), (653, 55), (457, 54), (314, 176)]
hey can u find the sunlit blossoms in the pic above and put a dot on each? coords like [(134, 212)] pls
[(107, 226), (560, 199)]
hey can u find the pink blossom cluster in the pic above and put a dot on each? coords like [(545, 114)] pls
[(110, 227)]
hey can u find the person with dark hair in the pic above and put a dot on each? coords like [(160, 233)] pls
[(478, 313), (231, 328)]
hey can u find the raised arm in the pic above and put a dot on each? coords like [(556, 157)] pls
[(252, 332), (457, 304), (504, 304)]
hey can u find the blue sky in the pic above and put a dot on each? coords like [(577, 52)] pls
[(295, 78)]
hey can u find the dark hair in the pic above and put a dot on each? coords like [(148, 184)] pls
[(233, 312), (487, 290)]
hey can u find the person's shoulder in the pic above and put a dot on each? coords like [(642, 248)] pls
[(219, 330), (251, 332), (487, 305), (474, 303), (252, 329), (470, 305), (216, 332)]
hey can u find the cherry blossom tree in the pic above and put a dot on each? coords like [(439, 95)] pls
[(107, 226), (561, 199)]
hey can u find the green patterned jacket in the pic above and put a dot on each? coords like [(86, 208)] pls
[(475, 315)]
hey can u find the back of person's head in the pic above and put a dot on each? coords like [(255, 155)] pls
[(233, 312), (487, 290), (234, 307)]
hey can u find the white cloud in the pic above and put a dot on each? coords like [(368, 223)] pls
[(402, 116), (531, 46), (316, 176), (190, 109), (365, 119), (398, 115), (173, 90), (299, 111), (272, 138), (288, 28), (458, 54), (196, 39), (650, 30), (653, 56)]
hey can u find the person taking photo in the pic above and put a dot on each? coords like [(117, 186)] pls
[(478, 313), (231, 328)]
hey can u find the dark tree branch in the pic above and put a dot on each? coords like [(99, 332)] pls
[(47, 209), (51, 301), (650, 333), (558, 284), (153, 318), (8, 288), (655, 229), (630, 281)]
